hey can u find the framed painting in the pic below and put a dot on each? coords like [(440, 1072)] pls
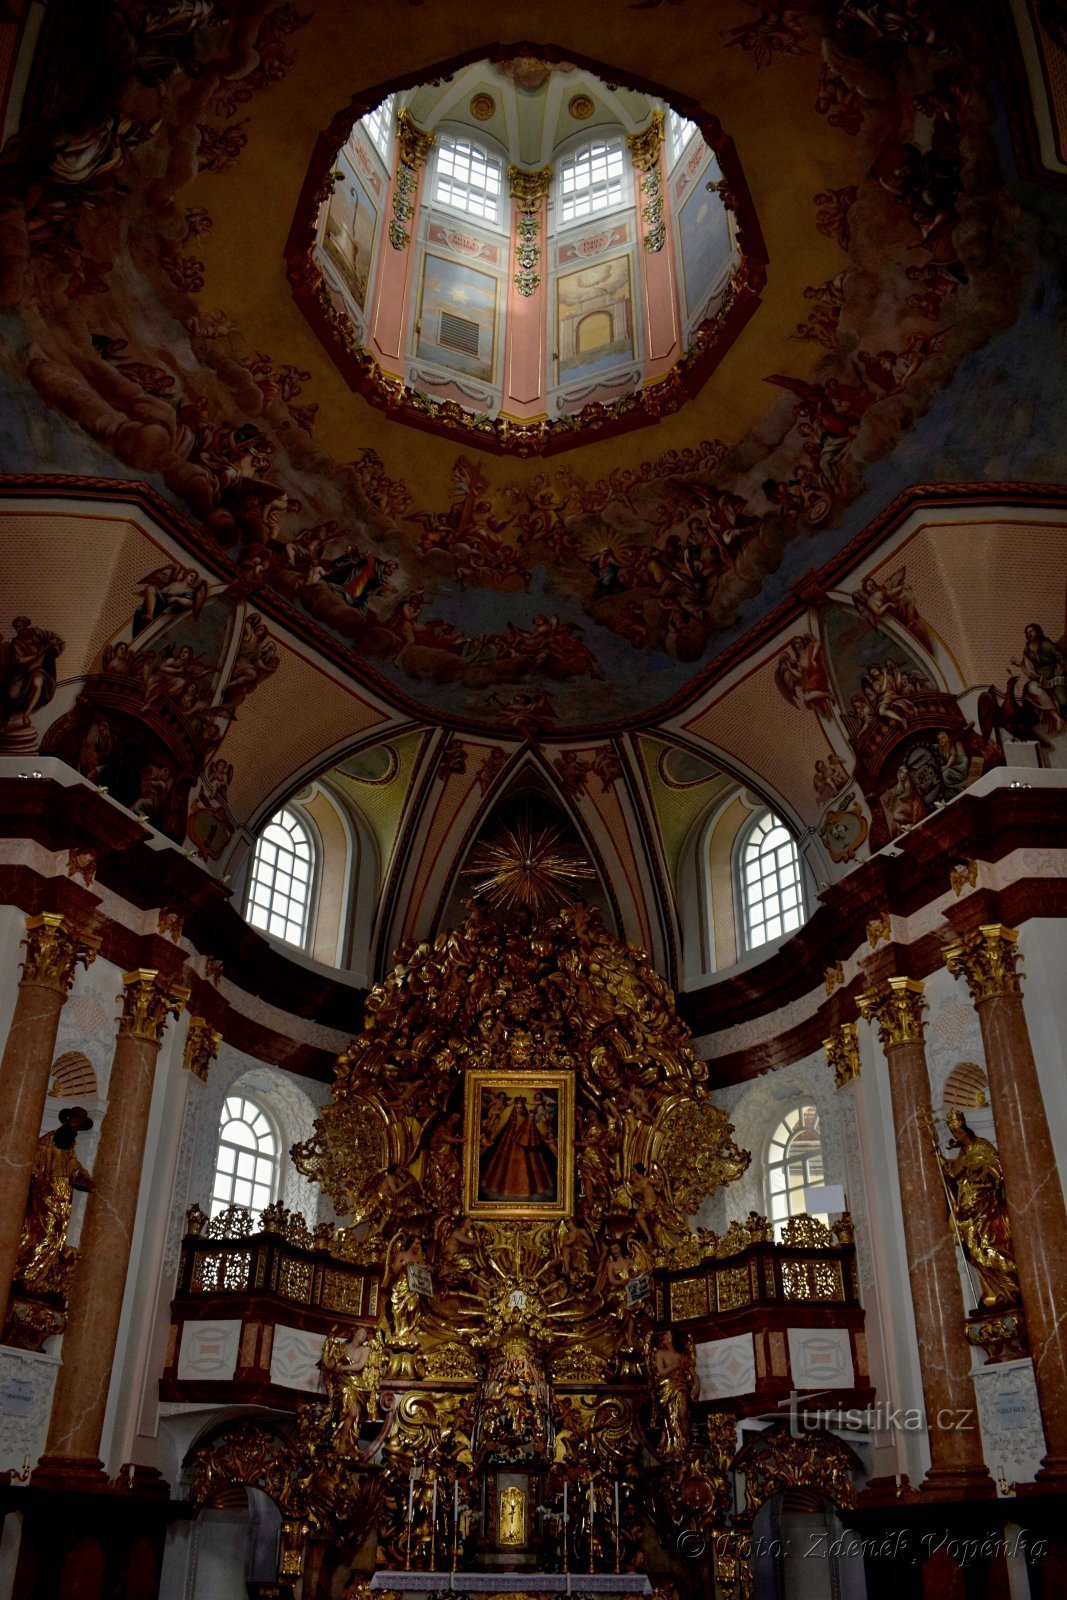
[(519, 1144), (456, 325)]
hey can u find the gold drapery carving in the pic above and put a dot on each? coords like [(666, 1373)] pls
[(843, 1053)]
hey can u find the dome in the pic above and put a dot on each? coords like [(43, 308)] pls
[(524, 254)]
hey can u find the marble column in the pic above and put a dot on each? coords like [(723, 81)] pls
[(987, 958), (54, 946), (95, 1301), (957, 1467)]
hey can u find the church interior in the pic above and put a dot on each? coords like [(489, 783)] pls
[(533, 694)]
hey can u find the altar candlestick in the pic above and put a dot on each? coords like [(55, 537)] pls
[(566, 1519), (592, 1521), (411, 1510), (455, 1523), (433, 1525)]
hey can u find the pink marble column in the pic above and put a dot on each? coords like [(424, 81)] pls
[(656, 264), (987, 958), (392, 310), (95, 1301), (957, 1466), (526, 323), (54, 946)]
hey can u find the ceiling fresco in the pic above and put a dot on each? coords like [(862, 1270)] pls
[(150, 332)]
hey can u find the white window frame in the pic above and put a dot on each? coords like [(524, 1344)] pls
[(680, 131), (788, 1201), (459, 148), (264, 873), (236, 1154), (751, 930), (380, 126), (594, 149)]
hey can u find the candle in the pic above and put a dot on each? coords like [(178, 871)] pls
[(592, 1503), (455, 1502), (433, 1512), (564, 1502), (616, 1505), (411, 1495)]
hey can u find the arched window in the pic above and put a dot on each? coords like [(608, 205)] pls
[(279, 895), (770, 893), (468, 179), (679, 132), (246, 1167), (591, 179), (379, 126), (794, 1163)]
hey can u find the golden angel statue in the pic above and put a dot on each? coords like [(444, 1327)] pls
[(674, 1382), (43, 1261), (655, 1212), (351, 1364), (975, 1183)]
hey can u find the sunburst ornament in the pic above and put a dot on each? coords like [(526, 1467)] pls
[(529, 864)]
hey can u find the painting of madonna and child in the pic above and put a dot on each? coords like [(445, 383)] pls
[(519, 1144)]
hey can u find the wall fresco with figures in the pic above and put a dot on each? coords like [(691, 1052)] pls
[(506, 593)]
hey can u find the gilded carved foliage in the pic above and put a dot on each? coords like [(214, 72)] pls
[(54, 947), (776, 1460), (843, 1053), (988, 959), (201, 1047)]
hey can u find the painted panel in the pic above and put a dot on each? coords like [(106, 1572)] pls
[(820, 1358), (595, 318), (348, 233), (726, 1367), (454, 293), (704, 245)]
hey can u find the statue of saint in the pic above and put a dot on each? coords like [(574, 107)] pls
[(350, 1374), (975, 1183), (674, 1380), (43, 1261)]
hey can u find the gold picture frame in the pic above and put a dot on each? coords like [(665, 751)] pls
[(518, 1137)]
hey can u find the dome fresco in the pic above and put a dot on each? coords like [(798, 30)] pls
[(153, 335)]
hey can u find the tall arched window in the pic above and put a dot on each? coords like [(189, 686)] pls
[(246, 1167), (591, 179), (794, 1163), (468, 179), (770, 892), (279, 894)]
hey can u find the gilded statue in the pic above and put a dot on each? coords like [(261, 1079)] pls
[(655, 1213), (43, 1263), (673, 1374), (351, 1366), (975, 1183), (405, 1252)]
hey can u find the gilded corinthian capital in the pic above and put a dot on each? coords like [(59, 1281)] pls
[(147, 1002), (897, 1008), (54, 945), (843, 1053), (988, 958), (201, 1047)]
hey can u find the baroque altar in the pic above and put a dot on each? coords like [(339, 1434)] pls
[(515, 1144)]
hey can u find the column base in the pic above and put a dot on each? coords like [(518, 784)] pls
[(967, 1483), (1051, 1478), (83, 1474)]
